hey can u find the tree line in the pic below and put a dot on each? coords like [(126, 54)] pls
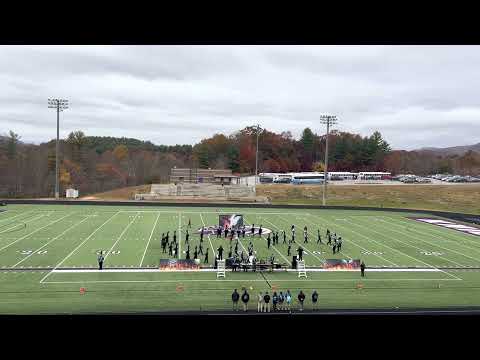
[(94, 164)]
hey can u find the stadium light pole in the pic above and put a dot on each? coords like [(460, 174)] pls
[(328, 120), (60, 105), (256, 155)]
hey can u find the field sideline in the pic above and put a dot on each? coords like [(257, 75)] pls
[(39, 242)]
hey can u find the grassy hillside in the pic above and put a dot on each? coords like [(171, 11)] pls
[(127, 193), (462, 198)]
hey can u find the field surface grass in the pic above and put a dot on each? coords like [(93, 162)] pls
[(48, 252)]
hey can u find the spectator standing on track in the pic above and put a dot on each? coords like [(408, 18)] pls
[(235, 298), (362, 269), (245, 299), (220, 253), (274, 301), (101, 259), (281, 300), (288, 298), (301, 299), (314, 299), (260, 302), (266, 299)]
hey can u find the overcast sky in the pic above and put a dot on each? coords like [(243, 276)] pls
[(416, 96)]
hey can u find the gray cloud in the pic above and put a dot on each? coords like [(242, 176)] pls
[(415, 95)]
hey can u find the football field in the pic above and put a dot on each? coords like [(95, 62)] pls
[(49, 252)]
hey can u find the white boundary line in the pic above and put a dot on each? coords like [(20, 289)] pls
[(120, 236), (33, 232), (158, 271), (148, 243), (55, 238), (83, 242)]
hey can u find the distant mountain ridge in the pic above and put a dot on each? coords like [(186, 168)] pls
[(453, 150)]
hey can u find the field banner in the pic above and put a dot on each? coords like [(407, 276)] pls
[(451, 225), (230, 221), (341, 264), (178, 264)]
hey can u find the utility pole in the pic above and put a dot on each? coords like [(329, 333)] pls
[(60, 105), (328, 120), (256, 155)]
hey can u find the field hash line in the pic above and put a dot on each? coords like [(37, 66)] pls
[(150, 238), (83, 242)]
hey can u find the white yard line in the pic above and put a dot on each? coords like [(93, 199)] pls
[(349, 240), (275, 248), (406, 243), (425, 241), (25, 222), (210, 212), (33, 232), (361, 247), (401, 252), (55, 238), (120, 236), (463, 238), (13, 217), (302, 245), (179, 235), (208, 237), (150, 238), (83, 242)]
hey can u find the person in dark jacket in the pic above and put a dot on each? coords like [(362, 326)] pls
[(274, 301), (220, 253), (245, 299), (314, 299), (300, 253), (235, 298), (362, 269), (101, 259), (266, 299), (301, 299)]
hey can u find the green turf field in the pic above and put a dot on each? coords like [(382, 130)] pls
[(39, 242)]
